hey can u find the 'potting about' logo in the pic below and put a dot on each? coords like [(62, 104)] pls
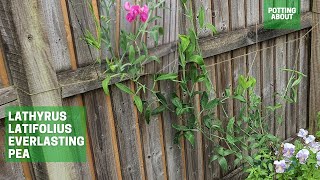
[(282, 14)]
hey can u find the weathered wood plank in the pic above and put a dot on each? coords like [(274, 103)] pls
[(280, 80), (128, 134), (86, 80), (239, 65), (81, 20), (99, 117), (314, 104), (9, 171), (4, 80), (267, 84), (51, 12), (2, 107), (7, 95), (293, 53), (39, 75), (152, 138), (304, 64), (240, 38), (211, 169)]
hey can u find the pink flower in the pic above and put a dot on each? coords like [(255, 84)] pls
[(130, 17), (127, 6), (144, 13), (135, 10)]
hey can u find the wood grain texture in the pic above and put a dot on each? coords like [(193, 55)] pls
[(7, 95), (9, 171), (211, 169), (2, 107), (280, 58), (4, 79), (304, 64), (81, 20), (127, 129), (293, 53), (314, 106), (55, 29), (174, 155), (267, 82), (225, 42), (152, 139), (239, 65), (99, 117)]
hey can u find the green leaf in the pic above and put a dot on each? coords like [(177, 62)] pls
[(124, 88), (139, 60), (204, 99), (185, 41), (170, 76), (201, 16), (213, 158), (240, 98), (158, 110), (132, 54), (230, 125), (153, 58), (161, 98), (223, 163), (207, 121), (105, 84), (197, 59), (180, 127), (270, 166), (190, 137), (147, 115), (176, 101), (212, 28), (138, 102), (212, 104)]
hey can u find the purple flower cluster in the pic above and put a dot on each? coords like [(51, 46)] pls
[(302, 155)]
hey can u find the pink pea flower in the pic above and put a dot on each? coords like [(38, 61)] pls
[(133, 11), (130, 17), (144, 13)]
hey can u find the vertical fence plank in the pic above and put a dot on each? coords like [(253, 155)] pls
[(128, 134), (314, 106), (280, 58), (39, 75), (292, 63), (4, 79), (239, 65), (152, 138), (56, 33), (211, 169), (304, 65), (174, 155), (253, 58), (99, 117), (81, 19), (267, 85)]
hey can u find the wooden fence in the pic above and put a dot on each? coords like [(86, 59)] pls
[(43, 61)]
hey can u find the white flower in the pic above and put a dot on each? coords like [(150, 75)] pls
[(302, 133), (314, 146), (303, 155), (310, 139), (288, 150), (280, 166)]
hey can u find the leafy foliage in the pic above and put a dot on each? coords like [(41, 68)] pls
[(236, 135)]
